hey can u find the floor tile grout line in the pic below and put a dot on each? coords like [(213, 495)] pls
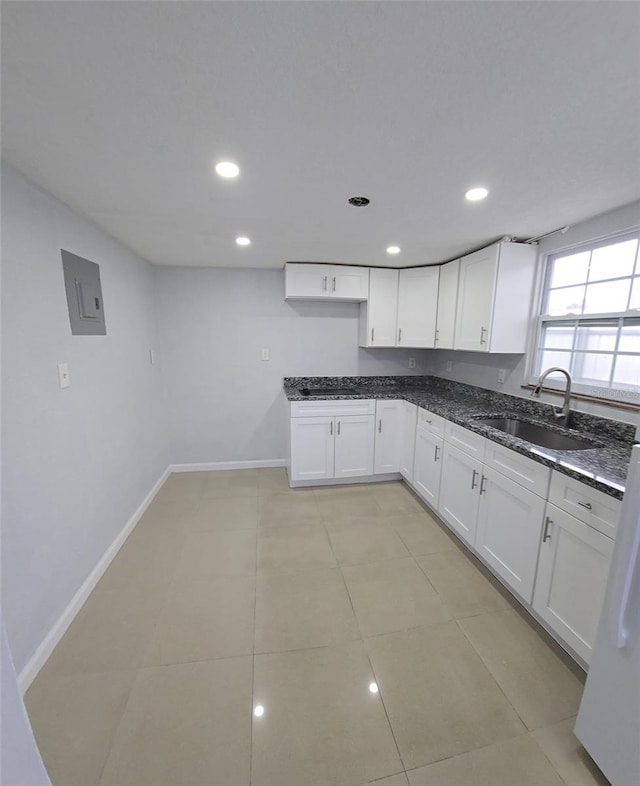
[(253, 656), (137, 670), (484, 663), (384, 707), (525, 733), (364, 646)]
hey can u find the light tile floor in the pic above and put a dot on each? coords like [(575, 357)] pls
[(379, 649)]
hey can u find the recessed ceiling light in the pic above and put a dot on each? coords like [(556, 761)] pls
[(243, 241), (373, 687), (258, 710), (393, 249), (227, 169), (476, 194)]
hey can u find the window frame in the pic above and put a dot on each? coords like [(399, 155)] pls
[(605, 394)]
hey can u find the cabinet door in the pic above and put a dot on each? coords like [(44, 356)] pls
[(312, 282), (459, 492), (427, 466), (417, 306), (348, 283), (388, 436), (447, 299), (407, 449), (572, 578), (354, 446), (475, 300), (382, 308), (312, 443), (509, 526)]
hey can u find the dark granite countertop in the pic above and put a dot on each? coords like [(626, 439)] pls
[(603, 467)]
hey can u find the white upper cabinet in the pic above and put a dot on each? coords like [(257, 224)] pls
[(417, 306), (326, 282), (494, 298), (447, 299), (379, 314)]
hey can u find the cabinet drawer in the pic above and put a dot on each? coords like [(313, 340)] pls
[(434, 423), (463, 439), (322, 407), (522, 470), (593, 507)]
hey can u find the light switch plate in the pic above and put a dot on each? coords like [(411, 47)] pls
[(412, 362), (502, 374), (63, 375), (264, 354)]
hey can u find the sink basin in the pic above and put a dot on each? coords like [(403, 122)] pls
[(538, 435)]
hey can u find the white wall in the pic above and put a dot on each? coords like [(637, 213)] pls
[(476, 368), (223, 402), (20, 760), (76, 463)]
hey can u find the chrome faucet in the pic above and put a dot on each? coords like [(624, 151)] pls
[(563, 414)]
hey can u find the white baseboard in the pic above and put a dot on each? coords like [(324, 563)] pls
[(40, 656), (212, 466), (359, 480)]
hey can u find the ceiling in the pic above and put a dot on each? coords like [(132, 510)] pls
[(122, 109)]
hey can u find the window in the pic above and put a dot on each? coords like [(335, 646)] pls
[(590, 322)]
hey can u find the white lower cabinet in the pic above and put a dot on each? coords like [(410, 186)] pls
[(459, 492), (312, 447), (427, 465), (353, 446), (572, 578), (331, 439), (408, 440), (388, 436), (508, 532), (495, 500)]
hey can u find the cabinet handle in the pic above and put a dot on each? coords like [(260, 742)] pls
[(333, 284), (435, 455), (483, 340), (324, 283), (399, 335), (586, 505), (338, 428), (380, 427), (331, 427), (482, 481), (473, 478), (546, 536), (429, 421), (372, 329)]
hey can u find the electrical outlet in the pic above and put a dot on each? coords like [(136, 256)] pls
[(63, 375), (264, 354), (412, 362), (449, 365), (502, 374)]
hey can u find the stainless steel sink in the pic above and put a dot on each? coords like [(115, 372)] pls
[(538, 435)]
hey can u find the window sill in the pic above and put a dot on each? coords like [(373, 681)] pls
[(606, 402)]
